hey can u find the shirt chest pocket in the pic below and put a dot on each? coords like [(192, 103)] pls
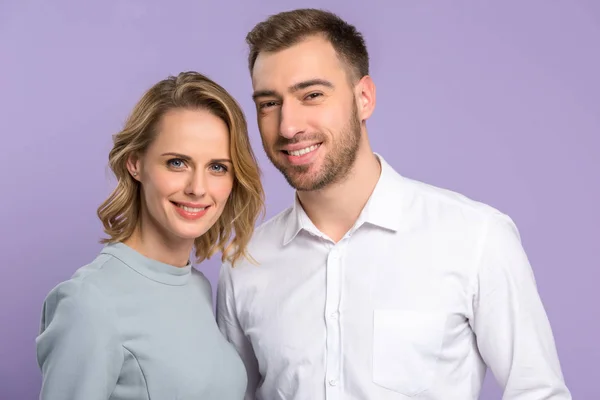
[(406, 347)]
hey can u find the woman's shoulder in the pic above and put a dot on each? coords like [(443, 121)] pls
[(201, 283), (85, 289), (78, 320), (199, 279)]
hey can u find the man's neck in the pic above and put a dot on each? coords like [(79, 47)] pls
[(335, 209)]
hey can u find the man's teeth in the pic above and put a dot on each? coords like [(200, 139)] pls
[(191, 209), (303, 151)]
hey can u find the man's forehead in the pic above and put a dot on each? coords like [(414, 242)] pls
[(312, 58)]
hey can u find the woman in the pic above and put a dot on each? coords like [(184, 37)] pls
[(137, 322)]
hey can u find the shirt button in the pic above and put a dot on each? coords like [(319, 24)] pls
[(333, 315), (332, 382)]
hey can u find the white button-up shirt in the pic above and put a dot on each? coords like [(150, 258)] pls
[(422, 293)]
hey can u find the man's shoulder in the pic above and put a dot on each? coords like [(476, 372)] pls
[(451, 204)]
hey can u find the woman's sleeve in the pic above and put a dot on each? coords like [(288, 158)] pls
[(78, 348)]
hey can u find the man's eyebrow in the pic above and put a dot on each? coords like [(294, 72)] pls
[(264, 93), (309, 83), (293, 88)]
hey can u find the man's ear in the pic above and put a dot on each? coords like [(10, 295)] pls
[(365, 96)]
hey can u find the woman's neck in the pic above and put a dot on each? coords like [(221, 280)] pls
[(151, 243)]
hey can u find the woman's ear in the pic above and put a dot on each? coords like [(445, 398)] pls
[(133, 166)]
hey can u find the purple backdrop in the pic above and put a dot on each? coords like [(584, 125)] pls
[(498, 101)]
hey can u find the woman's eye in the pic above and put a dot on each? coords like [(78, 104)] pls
[(219, 168), (176, 163)]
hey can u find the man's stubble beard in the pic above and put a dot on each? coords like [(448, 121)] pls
[(337, 164)]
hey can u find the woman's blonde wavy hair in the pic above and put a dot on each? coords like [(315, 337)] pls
[(231, 233)]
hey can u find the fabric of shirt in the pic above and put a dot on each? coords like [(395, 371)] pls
[(425, 291), (126, 327)]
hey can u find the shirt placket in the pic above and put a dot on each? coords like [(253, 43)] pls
[(333, 368)]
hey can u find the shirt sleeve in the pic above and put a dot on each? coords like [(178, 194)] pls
[(230, 327), (512, 329), (78, 348)]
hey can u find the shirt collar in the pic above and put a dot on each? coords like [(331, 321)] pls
[(387, 203), (384, 208), (297, 220)]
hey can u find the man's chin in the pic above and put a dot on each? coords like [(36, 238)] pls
[(302, 182), (300, 177)]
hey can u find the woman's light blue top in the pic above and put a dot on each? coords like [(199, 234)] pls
[(126, 327)]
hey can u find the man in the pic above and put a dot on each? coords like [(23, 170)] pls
[(371, 285)]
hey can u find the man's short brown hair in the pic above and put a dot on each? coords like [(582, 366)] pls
[(283, 30)]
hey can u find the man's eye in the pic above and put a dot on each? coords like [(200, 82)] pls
[(268, 104)]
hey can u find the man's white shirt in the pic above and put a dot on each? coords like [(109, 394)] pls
[(422, 293)]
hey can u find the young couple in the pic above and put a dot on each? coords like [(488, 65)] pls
[(370, 286)]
